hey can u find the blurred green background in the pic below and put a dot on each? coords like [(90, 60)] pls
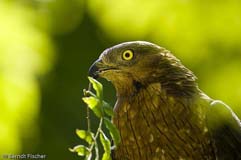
[(47, 46)]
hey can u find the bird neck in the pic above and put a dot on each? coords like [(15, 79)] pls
[(132, 96), (179, 88)]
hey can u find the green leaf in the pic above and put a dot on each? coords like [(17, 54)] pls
[(81, 150), (107, 109), (94, 104), (106, 145), (97, 86), (114, 132), (86, 135)]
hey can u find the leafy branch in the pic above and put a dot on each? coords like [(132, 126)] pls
[(104, 112)]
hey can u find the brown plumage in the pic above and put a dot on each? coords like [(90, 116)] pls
[(160, 111)]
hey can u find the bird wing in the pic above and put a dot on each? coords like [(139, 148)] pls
[(225, 129)]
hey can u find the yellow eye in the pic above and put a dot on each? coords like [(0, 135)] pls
[(127, 55)]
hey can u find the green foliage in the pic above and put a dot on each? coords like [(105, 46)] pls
[(86, 135), (103, 111), (97, 87), (94, 105), (81, 150), (106, 145), (107, 109), (114, 132)]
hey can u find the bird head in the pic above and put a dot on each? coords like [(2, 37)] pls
[(136, 64)]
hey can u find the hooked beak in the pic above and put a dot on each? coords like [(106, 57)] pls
[(94, 69), (99, 67)]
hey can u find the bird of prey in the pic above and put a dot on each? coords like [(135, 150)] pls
[(160, 111)]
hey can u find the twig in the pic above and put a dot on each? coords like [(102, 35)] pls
[(88, 110), (99, 130)]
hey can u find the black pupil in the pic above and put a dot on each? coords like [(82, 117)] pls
[(127, 55)]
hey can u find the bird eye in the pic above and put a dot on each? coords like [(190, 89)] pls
[(127, 55)]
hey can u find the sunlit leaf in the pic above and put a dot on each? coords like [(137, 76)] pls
[(106, 145), (81, 150), (86, 135), (97, 86), (94, 104), (113, 131)]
